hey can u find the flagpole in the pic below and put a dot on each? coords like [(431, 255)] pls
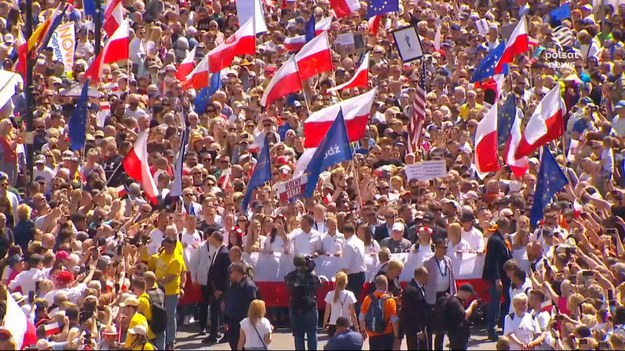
[(28, 87)]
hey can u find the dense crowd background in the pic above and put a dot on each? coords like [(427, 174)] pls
[(93, 263)]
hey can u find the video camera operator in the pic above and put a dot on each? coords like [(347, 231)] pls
[(303, 284)]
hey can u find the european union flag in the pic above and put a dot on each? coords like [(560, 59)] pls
[(77, 125), (550, 180), (89, 6), (486, 68), (310, 29), (505, 119), (202, 99), (261, 175), (380, 7), (560, 13), (333, 149)]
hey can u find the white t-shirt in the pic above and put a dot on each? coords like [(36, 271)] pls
[(251, 337), (191, 239), (156, 238), (474, 238), (276, 246), (524, 328), (305, 243), (341, 307), (524, 288)]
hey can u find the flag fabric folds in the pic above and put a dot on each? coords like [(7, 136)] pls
[(417, 119), (176, 188), (505, 118), (116, 49), (545, 125), (518, 166), (333, 149), (360, 79), (77, 125), (187, 65), (198, 78), (486, 68), (203, 97), (136, 166), (284, 82), (486, 157), (261, 175), (549, 181), (242, 42), (315, 57), (516, 45), (344, 8), (311, 31), (381, 7), (560, 13)]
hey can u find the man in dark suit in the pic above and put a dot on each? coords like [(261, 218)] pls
[(497, 254), (218, 278), (413, 324), (384, 230)]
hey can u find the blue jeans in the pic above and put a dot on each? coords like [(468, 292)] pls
[(494, 307), (171, 303), (304, 324), (159, 341)]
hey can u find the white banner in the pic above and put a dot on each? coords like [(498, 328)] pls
[(426, 170), (63, 42), (273, 267)]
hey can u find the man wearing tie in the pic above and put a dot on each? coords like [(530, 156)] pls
[(218, 278), (441, 282), (414, 314)]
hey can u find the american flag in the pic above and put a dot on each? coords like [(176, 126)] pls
[(418, 114)]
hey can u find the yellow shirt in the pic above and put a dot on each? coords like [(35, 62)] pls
[(146, 347), (145, 309), (465, 109), (137, 319), (167, 264)]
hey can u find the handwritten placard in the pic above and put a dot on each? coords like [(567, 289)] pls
[(426, 170)]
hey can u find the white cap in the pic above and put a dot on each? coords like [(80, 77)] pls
[(398, 226)]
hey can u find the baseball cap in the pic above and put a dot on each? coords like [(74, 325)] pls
[(620, 104), (398, 226), (130, 301), (467, 288), (62, 255)]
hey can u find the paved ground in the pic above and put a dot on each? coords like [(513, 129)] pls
[(283, 340)]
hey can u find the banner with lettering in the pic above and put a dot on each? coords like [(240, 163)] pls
[(292, 189), (63, 43)]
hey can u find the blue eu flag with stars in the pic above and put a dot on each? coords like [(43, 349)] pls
[(505, 119), (333, 149), (486, 68), (380, 7), (203, 97), (550, 180), (261, 175)]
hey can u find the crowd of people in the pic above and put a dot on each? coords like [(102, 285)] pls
[(93, 262)]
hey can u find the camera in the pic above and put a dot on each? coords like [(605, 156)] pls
[(310, 263)]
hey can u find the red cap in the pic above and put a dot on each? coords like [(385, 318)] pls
[(62, 255), (65, 277), (281, 161)]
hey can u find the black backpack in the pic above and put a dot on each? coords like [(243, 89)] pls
[(303, 296), (375, 320), (158, 324)]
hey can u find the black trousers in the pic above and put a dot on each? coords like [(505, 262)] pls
[(233, 331), (414, 343), (438, 333), (203, 306), (459, 339), (216, 315)]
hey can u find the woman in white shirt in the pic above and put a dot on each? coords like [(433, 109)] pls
[(520, 327), (519, 283), (339, 303), (457, 246), (277, 241), (364, 233), (254, 240), (255, 329)]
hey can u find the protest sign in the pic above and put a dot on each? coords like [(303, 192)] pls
[(426, 170)]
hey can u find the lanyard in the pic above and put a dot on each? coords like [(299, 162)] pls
[(438, 265)]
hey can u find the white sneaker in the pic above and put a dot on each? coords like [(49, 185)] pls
[(191, 320), (185, 322)]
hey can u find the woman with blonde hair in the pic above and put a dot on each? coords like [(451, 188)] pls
[(8, 150), (254, 240), (339, 303), (457, 246), (255, 329)]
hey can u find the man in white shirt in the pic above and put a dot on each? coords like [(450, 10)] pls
[(354, 262), (41, 170), (306, 241), (332, 242), (321, 223), (136, 49), (63, 282), (618, 122), (470, 234), (26, 280), (158, 234)]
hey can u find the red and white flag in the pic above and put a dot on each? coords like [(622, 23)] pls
[(516, 45), (356, 112), (20, 327), (486, 158), (105, 111), (545, 125), (186, 66), (343, 8), (315, 57), (294, 44), (242, 42), (323, 25), (110, 7), (374, 25), (114, 20), (360, 79), (136, 166), (518, 166), (52, 328), (284, 82), (116, 49), (415, 128), (198, 78), (494, 84)]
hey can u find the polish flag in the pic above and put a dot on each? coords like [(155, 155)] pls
[(284, 82), (198, 78), (374, 25), (112, 22), (356, 112), (186, 66), (494, 83), (360, 79), (545, 125), (116, 49), (518, 166), (111, 5), (486, 158), (343, 8), (136, 166), (315, 57), (242, 42), (52, 328), (516, 45), (20, 327), (294, 44), (105, 111)]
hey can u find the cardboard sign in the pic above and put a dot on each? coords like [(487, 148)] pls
[(427, 170), (293, 188)]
